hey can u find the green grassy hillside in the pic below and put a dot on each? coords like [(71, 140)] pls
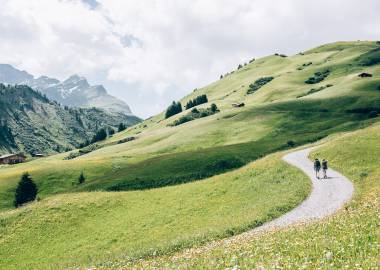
[(88, 228), (347, 240), (273, 116), (285, 112)]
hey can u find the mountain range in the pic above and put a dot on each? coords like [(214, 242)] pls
[(75, 91), (32, 123)]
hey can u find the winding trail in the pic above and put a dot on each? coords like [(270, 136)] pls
[(327, 196)]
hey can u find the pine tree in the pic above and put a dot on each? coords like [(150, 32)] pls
[(81, 178), (100, 135), (173, 109), (121, 127), (26, 190), (214, 108), (111, 131)]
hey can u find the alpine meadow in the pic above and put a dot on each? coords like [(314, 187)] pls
[(151, 194)]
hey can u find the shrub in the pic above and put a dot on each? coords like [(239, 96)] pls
[(195, 114), (291, 143), (313, 90), (240, 66), (173, 109), (369, 58), (26, 190), (126, 140), (83, 151), (195, 110), (253, 87), (225, 164), (84, 144), (72, 155), (81, 178), (318, 77)]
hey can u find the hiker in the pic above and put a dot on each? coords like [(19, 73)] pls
[(324, 168), (317, 167)]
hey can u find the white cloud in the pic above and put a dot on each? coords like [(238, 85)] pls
[(150, 52)]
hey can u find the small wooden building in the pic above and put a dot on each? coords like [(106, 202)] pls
[(238, 104), (365, 75), (12, 159)]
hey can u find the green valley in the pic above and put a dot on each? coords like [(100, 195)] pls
[(157, 188)]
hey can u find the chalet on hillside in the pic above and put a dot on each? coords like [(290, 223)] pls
[(12, 159), (237, 105), (365, 75)]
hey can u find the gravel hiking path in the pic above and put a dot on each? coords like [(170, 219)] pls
[(327, 196)]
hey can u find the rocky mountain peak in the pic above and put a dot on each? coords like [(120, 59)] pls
[(74, 91)]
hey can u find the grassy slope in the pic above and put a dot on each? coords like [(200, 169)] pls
[(98, 227), (348, 240), (170, 155)]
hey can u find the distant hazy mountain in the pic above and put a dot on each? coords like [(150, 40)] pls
[(74, 91)]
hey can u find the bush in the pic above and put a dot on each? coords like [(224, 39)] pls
[(173, 109), (83, 151), (81, 178), (318, 77), (26, 190), (369, 58), (129, 139), (291, 143), (313, 90), (253, 87), (195, 110), (225, 164), (195, 114)]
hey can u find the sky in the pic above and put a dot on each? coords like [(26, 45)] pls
[(151, 52)]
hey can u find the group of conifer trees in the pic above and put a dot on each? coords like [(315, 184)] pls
[(196, 101)]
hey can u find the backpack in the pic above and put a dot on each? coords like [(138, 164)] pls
[(324, 165), (317, 164)]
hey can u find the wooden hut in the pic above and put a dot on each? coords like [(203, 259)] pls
[(12, 158)]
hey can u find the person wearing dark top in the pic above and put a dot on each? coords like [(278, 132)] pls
[(317, 167), (324, 168)]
